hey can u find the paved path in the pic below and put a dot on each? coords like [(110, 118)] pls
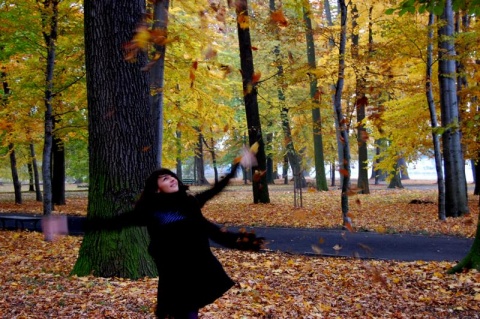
[(404, 247), (340, 243)]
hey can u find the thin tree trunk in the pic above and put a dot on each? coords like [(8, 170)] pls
[(50, 26), (268, 149), (476, 176), (199, 162), (455, 180), (360, 105), (343, 130), (17, 185), (38, 192), (211, 149), (259, 184), (292, 155), (160, 14), (395, 181), (31, 185), (434, 122), (320, 177), (179, 172), (58, 172)]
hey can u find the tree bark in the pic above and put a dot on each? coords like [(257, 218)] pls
[(259, 184), (17, 186), (160, 14), (38, 192), (320, 177), (434, 122), (58, 172), (343, 130), (291, 153), (50, 35), (121, 140), (360, 105), (455, 181), (199, 162)]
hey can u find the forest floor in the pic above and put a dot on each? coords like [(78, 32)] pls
[(35, 280)]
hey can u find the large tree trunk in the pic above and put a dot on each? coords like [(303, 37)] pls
[(433, 120), (455, 181), (320, 177), (343, 146), (121, 140), (259, 185)]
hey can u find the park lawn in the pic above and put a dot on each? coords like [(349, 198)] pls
[(35, 280), (383, 210)]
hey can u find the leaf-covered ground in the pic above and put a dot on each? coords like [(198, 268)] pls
[(35, 280), (35, 283)]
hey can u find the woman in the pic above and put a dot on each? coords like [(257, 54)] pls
[(190, 276)]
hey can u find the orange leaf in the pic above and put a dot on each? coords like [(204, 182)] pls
[(279, 18), (195, 65), (349, 227), (243, 21), (258, 175), (158, 36), (256, 77), (343, 172)]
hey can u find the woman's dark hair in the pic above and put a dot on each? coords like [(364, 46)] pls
[(151, 183)]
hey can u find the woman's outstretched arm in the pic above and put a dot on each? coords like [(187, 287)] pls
[(205, 196)]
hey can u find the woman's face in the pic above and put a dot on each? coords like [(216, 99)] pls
[(167, 184)]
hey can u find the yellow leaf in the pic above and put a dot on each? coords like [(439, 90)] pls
[(243, 21), (254, 148), (142, 38)]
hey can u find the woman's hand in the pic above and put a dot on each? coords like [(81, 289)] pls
[(247, 157), (249, 241)]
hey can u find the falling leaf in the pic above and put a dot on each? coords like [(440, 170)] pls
[(337, 247), (291, 60), (210, 53), (256, 77), (343, 172), (142, 37), (254, 148), (278, 17), (243, 21), (257, 176), (349, 227), (317, 250)]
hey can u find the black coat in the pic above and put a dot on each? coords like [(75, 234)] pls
[(190, 276)]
